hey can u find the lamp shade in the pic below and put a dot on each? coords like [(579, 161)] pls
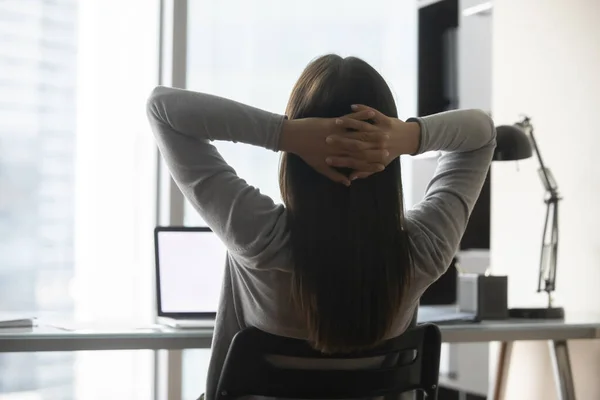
[(512, 143)]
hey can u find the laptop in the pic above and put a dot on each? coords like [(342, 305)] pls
[(190, 264)]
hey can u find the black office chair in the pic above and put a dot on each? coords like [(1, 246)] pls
[(251, 368)]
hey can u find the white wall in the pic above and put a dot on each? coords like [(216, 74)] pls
[(546, 63)]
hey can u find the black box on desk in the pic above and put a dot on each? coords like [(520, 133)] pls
[(486, 296)]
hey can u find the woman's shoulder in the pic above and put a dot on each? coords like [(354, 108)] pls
[(273, 247)]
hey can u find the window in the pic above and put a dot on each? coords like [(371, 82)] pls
[(77, 186), (78, 164)]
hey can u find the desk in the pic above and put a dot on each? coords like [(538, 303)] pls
[(46, 338)]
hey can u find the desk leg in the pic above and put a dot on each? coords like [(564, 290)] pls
[(561, 364), (169, 375), (498, 387)]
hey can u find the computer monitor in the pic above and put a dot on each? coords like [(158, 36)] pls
[(190, 264)]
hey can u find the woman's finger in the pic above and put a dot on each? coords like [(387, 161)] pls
[(336, 176), (378, 137), (359, 175), (361, 151), (356, 143), (375, 156), (348, 123), (355, 164), (361, 115), (345, 145), (377, 116)]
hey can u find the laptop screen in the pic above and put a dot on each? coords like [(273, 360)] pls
[(190, 263)]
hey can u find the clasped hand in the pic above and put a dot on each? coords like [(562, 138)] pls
[(359, 141)]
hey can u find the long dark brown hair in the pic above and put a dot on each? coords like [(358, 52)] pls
[(351, 255)]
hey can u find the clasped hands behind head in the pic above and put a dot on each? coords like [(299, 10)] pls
[(364, 142)]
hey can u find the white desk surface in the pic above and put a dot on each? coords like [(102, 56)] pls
[(48, 338)]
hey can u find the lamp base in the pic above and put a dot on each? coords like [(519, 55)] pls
[(537, 313)]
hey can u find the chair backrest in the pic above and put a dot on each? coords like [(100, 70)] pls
[(251, 368)]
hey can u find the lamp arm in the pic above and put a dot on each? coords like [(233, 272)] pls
[(549, 251), (545, 174)]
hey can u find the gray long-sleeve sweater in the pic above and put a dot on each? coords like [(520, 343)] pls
[(257, 280)]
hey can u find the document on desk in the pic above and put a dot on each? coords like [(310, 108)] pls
[(100, 326), (16, 322), (444, 315)]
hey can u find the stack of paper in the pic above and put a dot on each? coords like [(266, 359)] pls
[(16, 322)]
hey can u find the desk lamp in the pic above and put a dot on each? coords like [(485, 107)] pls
[(517, 142)]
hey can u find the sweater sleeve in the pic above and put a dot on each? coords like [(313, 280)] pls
[(467, 139), (184, 124)]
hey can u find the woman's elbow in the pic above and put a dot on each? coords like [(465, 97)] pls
[(485, 125), (155, 103)]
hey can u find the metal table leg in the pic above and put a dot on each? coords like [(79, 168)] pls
[(561, 364), (497, 389), (169, 375)]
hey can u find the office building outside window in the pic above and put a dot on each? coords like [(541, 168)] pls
[(77, 187), (38, 56)]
